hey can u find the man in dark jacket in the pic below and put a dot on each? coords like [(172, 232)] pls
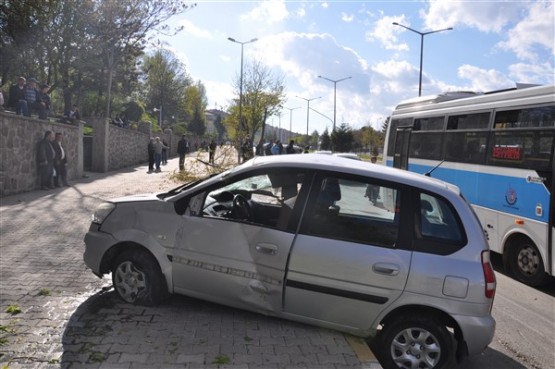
[(45, 160), (182, 149), (16, 100), (60, 162)]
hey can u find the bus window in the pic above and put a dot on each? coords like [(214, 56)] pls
[(538, 117), (393, 125), (425, 145), (429, 124), (522, 149), (468, 121), (465, 147)]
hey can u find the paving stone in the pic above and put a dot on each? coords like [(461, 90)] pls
[(71, 319)]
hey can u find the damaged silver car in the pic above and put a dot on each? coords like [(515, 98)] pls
[(365, 249)]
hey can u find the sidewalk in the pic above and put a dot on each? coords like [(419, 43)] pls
[(54, 313)]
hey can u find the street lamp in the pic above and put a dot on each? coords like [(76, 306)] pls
[(422, 34), (241, 78), (334, 94), (160, 119), (291, 120), (308, 109)]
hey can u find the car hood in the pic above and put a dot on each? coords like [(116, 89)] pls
[(135, 198)]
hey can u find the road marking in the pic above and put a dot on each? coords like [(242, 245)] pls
[(361, 349)]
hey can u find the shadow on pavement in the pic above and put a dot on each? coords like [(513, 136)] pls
[(185, 332)]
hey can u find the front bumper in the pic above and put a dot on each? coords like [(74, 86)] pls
[(97, 243)]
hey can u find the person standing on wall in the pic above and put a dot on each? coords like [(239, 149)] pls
[(45, 160), (182, 148), (60, 162)]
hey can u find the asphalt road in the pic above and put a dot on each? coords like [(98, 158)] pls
[(54, 313)]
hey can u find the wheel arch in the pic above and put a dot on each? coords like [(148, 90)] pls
[(420, 310), (511, 242), (121, 247)]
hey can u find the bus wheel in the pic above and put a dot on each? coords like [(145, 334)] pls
[(525, 262)]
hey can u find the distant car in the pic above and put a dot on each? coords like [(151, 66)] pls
[(366, 249)]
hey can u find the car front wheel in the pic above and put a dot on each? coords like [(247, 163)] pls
[(137, 278), (416, 343)]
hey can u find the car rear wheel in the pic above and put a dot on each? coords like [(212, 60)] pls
[(410, 343), (525, 262), (137, 278)]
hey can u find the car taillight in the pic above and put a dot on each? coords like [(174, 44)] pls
[(489, 275)]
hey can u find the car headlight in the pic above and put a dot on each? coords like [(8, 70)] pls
[(102, 212)]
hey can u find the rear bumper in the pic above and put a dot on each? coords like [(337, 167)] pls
[(477, 332)]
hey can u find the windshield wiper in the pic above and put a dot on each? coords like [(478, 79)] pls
[(429, 173)]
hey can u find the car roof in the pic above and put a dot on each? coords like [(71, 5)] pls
[(340, 165)]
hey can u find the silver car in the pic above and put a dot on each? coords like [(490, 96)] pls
[(365, 249)]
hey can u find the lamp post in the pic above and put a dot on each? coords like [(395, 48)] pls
[(160, 119), (422, 34), (291, 120), (334, 94), (241, 78), (308, 109)]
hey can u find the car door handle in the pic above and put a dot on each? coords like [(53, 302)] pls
[(266, 248), (386, 268)]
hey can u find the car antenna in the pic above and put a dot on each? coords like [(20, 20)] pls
[(429, 173)]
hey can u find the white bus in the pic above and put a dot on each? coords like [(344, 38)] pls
[(498, 148)]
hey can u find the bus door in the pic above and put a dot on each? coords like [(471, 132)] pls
[(401, 154)]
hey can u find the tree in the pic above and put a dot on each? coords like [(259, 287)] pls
[(165, 84), (263, 96), (325, 141), (342, 138), (89, 47)]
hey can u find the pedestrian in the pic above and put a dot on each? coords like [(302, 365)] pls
[(290, 149), (32, 95), (16, 99), (212, 151), (45, 99), (45, 160), (60, 162), (277, 148), (151, 155), (158, 147), (165, 152), (182, 148)]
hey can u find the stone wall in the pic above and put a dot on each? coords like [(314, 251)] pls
[(126, 147), (18, 149), (112, 148)]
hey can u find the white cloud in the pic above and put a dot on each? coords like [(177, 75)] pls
[(268, 11), (486, 16), (347, 17), (539, 23), (193, 30), (484, 80), (385, 32), (532, 73)]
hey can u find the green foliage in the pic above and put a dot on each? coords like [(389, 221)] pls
[(134, 110), (45, 292), (13, 309), (221, 360), (342, 138), (325, 141)]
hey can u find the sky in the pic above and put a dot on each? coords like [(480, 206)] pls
[(493, 46)]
